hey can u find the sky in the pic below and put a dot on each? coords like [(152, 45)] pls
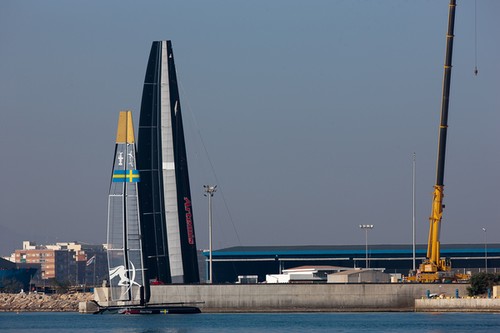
[(306, 114)]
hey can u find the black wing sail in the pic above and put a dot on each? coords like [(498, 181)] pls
[(165, 198), (188, 240)]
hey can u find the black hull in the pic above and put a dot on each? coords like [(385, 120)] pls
[(146, 310)]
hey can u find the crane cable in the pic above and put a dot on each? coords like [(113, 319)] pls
[(476, 71)]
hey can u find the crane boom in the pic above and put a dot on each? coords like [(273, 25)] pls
[(430, 268)]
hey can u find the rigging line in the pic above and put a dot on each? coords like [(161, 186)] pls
[(197, 129)]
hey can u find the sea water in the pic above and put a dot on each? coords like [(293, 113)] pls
[(232, 323)]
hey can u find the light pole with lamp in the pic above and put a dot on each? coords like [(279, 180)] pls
[(413, 204), (209, 192), (485, 252), (366, 227)]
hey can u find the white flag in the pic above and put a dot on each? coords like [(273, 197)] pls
[(90, 261)]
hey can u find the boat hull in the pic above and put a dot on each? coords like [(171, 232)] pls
[(146, 310)]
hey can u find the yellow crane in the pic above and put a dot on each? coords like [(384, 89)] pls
[(434, 268)]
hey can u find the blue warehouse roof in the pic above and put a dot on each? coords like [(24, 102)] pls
[(447, 250)]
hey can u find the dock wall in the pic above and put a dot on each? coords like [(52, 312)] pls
[(301, 297), (458, 305)]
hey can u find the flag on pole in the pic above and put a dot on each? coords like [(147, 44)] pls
[(91, 261)]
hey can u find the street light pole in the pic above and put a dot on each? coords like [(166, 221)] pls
[(366, 227), (413, 204), (485, 252), (209, 192)]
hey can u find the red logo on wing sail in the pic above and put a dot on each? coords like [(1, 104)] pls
[(189, 220)]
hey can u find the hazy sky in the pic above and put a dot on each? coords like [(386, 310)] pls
[(310, 112)]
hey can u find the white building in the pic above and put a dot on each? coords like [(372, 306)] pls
[(304, 274), (359, 276)]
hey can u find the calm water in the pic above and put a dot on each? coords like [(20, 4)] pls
[(225, 323)]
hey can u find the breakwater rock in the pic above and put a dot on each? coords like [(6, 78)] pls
[(42, 302)]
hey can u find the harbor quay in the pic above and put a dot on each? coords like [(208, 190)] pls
[(233, 298), (295, 297), (458, 305)]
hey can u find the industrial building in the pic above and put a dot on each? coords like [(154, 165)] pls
[(232, 262), (304, 274), (359, 275)]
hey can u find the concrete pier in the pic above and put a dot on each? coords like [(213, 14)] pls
[(296, 297), (458, 305), (87, 307)]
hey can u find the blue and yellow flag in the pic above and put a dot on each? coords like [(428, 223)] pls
[(126, 176)]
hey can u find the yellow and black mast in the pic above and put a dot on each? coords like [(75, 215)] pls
[(433, 264)]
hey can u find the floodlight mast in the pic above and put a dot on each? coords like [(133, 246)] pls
[(209, 192), (366, 227)]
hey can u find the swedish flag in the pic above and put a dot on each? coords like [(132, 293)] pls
[(126, 176)]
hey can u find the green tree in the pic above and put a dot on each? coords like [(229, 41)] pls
[(481, 282)]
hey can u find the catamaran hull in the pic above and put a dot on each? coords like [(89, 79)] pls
[(150, 310)]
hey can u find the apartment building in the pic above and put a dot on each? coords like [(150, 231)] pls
[(71, 263)]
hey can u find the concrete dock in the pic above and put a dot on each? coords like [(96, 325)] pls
[(458, 305), (295, 297)]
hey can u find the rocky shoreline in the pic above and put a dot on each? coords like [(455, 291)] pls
[(32, 302)]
